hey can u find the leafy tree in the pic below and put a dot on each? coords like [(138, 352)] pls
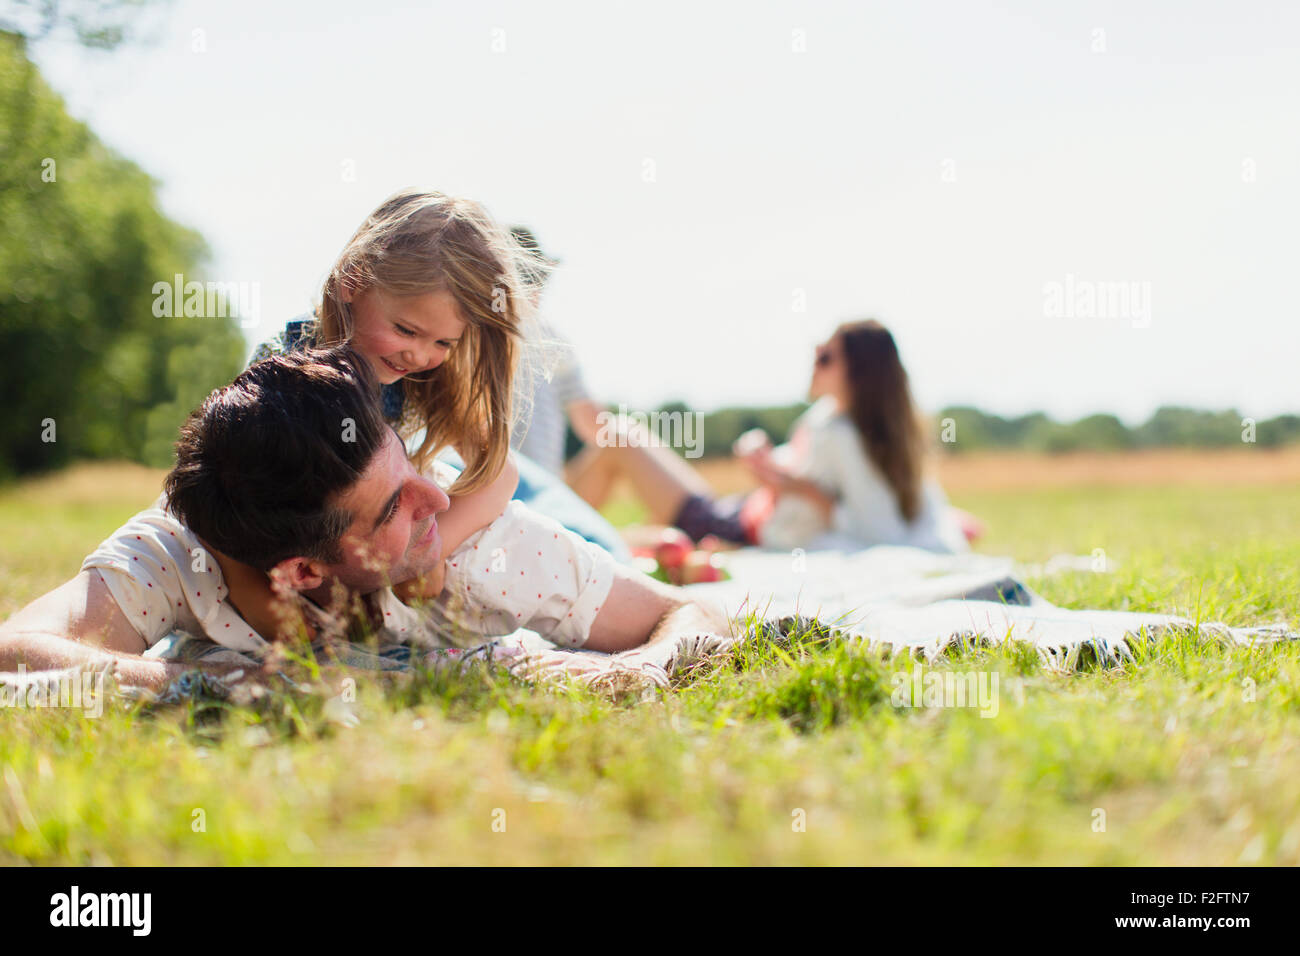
[(99, 24), (88, 364), (1282, 430), (1190, 427)]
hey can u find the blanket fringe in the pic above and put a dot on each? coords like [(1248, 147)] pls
[(1063, 657)]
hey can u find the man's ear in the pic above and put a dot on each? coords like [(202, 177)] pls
[(296, 574)]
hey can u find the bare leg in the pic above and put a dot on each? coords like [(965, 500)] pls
[(662, 480), (592, 475)]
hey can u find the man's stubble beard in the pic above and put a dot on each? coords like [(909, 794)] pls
[(361, 579)]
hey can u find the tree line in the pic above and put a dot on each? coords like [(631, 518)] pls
[(959, 429)]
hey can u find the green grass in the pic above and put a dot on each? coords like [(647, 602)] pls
[(1190, 752)]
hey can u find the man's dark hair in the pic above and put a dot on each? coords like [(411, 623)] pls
[(261, 463)]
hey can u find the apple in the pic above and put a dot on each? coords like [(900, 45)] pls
[(701, 567), (673, 547)]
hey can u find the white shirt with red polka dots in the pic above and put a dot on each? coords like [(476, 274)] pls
[(524, 570), (163, 580)]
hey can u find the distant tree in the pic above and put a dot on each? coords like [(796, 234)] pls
[(971, 428), (1282, 430), (1045, 435), (724, 426), (976, 430), (98, 24), (87, 363), (1190, 427), (1100, 433)]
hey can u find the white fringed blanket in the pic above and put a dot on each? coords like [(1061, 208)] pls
[(913, 601), (904, 600)]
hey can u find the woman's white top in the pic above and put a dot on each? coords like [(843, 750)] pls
[(825, 448)]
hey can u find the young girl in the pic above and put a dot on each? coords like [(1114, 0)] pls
[(430, 290), (851, 475)]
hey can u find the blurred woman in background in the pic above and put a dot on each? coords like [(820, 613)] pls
[(852, 474)]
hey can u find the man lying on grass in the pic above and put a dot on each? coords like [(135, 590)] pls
[(292, 472)]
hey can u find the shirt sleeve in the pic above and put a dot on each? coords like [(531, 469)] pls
[(525, 570), (568, 382), (139, 573)]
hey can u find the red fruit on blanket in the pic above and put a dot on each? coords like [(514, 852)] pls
[(673, 548), (701, 567)]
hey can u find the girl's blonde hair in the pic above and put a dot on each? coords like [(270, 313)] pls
[(421, 242)]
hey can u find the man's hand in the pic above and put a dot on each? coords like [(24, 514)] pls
[(678, 654), (528, 664)]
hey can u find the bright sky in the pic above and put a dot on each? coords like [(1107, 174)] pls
[(936, 165)]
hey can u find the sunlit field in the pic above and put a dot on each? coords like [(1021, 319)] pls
[(791, 754)]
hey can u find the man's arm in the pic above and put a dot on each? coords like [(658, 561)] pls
[(640, 611), (79, 624), (532, 572)]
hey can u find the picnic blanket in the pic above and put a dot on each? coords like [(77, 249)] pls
[(899, 599), (911, 601)]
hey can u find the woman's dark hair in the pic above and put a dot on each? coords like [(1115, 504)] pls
[(260, 465), (882, 409)]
